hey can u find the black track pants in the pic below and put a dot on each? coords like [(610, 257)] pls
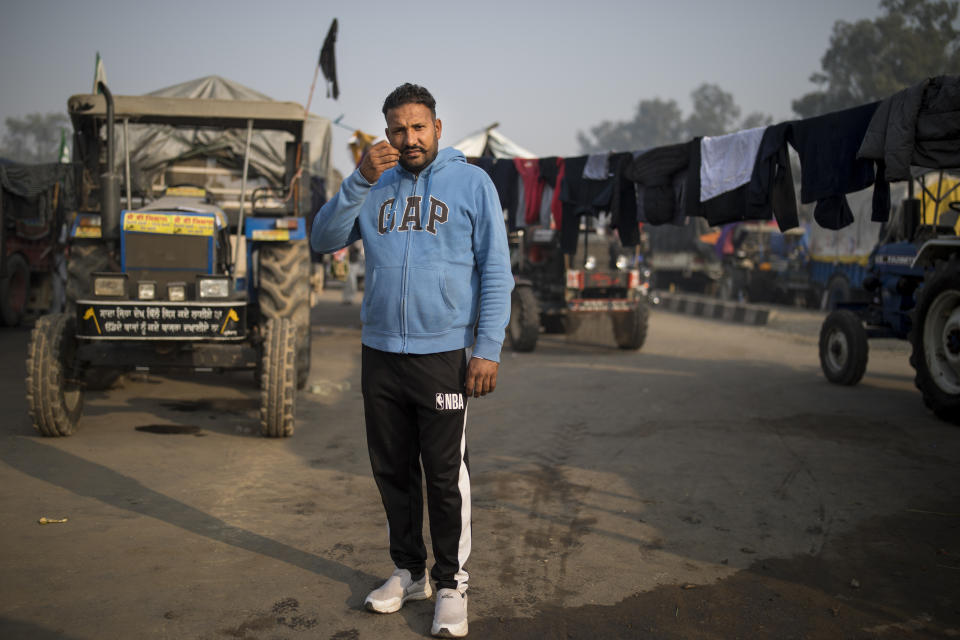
[(416, 412)]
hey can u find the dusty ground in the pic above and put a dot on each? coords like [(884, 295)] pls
[(712, 485)]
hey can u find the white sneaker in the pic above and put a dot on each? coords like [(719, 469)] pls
[(450, 616), (398, 588)]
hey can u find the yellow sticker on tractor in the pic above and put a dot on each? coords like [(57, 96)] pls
[(271, 234), (187, 192), (169, 223)]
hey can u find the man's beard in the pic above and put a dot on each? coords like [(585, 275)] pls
[(425, 156)]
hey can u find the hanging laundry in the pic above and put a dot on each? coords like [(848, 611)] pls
[(917, 126), (552, 171), (597, 167), (829, 167), (724, 208), (504, 176), (623, 203), (529, 172), (580, 196), (655, 171), (677, 206), (726, 162), (771, 185)]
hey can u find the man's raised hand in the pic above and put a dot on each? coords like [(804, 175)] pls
[(379, 158)]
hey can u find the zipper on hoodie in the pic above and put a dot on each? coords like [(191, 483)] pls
[(403, 282)]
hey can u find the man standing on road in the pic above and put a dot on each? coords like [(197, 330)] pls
[(438, 285)]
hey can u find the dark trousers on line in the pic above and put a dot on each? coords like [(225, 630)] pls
[(416, 413)]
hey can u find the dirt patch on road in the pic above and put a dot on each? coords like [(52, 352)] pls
[(892, 577)]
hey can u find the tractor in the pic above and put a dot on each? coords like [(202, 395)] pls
[(555, 291), (191, 275), (913, 282)]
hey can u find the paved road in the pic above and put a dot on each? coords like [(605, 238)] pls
[(712, 485)]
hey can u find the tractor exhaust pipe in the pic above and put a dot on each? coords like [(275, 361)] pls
[(109, 180)]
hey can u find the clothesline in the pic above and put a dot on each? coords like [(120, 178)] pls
[(744, 175)]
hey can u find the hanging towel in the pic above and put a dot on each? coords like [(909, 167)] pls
[(726, 162)]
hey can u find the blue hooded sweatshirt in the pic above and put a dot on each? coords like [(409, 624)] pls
[(437, 262)]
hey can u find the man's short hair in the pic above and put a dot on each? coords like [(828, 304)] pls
[(409, 94)]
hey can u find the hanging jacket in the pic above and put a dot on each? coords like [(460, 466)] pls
[(771, 185), (829, 167), (580, 196), (437, 262), (656, 171), (917, 126)]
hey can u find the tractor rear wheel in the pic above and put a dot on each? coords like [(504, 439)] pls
[(630, 327), (935, 338), (278, 393), (843, 347), (524, 325), (285, 293), (54, 390)]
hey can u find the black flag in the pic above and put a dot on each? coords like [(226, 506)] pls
[(328, 62)]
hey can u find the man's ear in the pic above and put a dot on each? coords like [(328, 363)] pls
[(439, 126)]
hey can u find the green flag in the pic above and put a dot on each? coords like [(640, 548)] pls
[(99, 73), (64, 153)]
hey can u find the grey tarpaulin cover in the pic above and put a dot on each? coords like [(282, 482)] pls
[(26, 189), (151, 146)]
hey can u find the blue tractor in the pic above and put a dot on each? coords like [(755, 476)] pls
[(192, 274), (913, 287)]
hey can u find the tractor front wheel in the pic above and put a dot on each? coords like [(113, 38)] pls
[(843, 347), (278, 378), (54, 390)]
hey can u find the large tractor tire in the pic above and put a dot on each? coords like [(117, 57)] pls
[(935, 338), (524, 326), (843, 348), (278, 393), (630, 327), (285, 293), (54, 392), (15, 291)]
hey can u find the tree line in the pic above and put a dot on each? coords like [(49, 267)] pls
[(867, 60)]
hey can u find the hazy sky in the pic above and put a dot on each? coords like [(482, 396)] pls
[(543, 70)]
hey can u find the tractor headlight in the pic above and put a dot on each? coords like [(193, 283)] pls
[(590, 263), (177, 291), (622, 262), (213, 287), (147, 290), (110, 285)]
